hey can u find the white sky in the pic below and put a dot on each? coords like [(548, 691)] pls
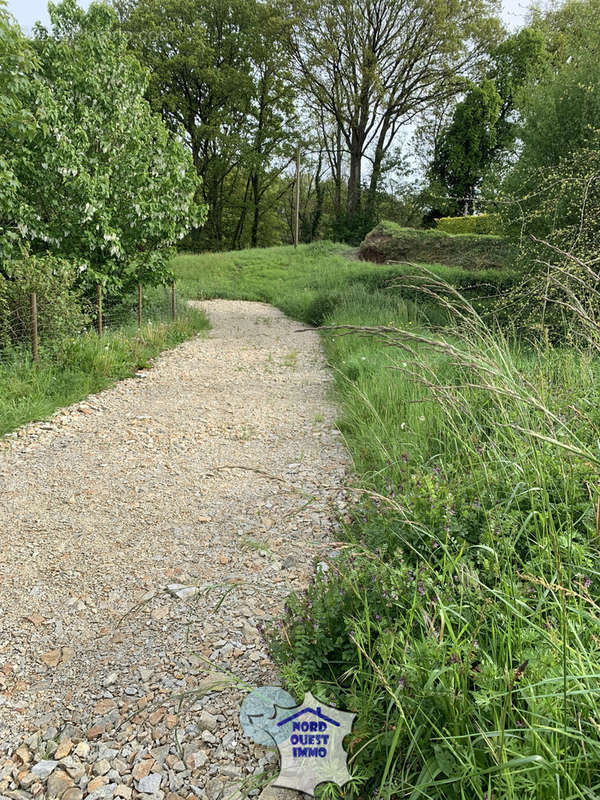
[(29, 11)]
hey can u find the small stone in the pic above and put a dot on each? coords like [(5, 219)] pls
[(111, 679), (97, 783), (24, 754), (104, 706), (82, 750), (58, 783), (150, 784), (95, 731), (182, 591), (24, 779), (207, 722), (72, 794), (142, 768), (43, 769), (214, 789), (157, 716), (74, 768), (123, 791), (103, 793), (197, 760), (159, 754), (278, 793), (101, 767), (52, 657), (63, 750)]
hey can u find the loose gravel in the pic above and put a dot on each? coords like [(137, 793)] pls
[(147, 533)]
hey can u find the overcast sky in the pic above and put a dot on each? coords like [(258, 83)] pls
[(29, 11)]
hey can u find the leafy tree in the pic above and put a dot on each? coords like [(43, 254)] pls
[(17, 62), (483, 126), (218, 69), (102, 182), (468, 144), (373, 65), (552, 191)]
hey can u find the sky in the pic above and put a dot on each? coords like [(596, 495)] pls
[(29, 11)]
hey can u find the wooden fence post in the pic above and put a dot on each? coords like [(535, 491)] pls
[(139, 305), (99, 310), (34, 328), (173, 305)]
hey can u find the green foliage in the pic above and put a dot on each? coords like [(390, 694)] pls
[(467, 145), (482, 128), (101, 182), (16, 64), (476, 223), (71, 368), (553, 185), (59, 301), (460, 620), (219, 71), (352, 227), (390, 242)]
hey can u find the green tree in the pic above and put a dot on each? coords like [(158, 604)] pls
[(102, 182), (483, 127), (467, 145), (551, 193), (218, 69), (17, 62), (373, 65)]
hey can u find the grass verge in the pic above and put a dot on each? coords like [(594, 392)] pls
[(70, 369)]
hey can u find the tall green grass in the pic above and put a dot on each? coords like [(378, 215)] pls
[(461, 620)]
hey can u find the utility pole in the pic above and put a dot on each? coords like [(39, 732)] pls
[(297, 227)]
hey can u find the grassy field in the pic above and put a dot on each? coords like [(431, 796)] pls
[(70, 369), (461, 622)]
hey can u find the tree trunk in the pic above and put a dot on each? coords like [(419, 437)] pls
[(338, 173), (256, 214), (354, 180), (239, 228)]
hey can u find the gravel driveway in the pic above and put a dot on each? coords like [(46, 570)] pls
[(145, 534)]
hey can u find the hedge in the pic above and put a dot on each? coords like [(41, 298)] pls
[(478, 223)]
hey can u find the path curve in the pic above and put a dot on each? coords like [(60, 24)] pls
[(218, 468)]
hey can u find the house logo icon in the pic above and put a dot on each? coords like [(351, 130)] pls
[(309, 738)]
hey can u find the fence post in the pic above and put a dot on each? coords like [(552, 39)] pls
[(99, 310), (173, 306), (139, 305), (34, 328)]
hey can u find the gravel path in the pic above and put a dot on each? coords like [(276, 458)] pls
[(146, 533)]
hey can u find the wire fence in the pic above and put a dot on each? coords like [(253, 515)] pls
[(32, 329)]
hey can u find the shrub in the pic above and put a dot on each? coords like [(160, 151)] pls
[(477, 223), (59, 304), (388, 242)]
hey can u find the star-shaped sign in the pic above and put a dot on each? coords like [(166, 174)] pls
[(310, 742)]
